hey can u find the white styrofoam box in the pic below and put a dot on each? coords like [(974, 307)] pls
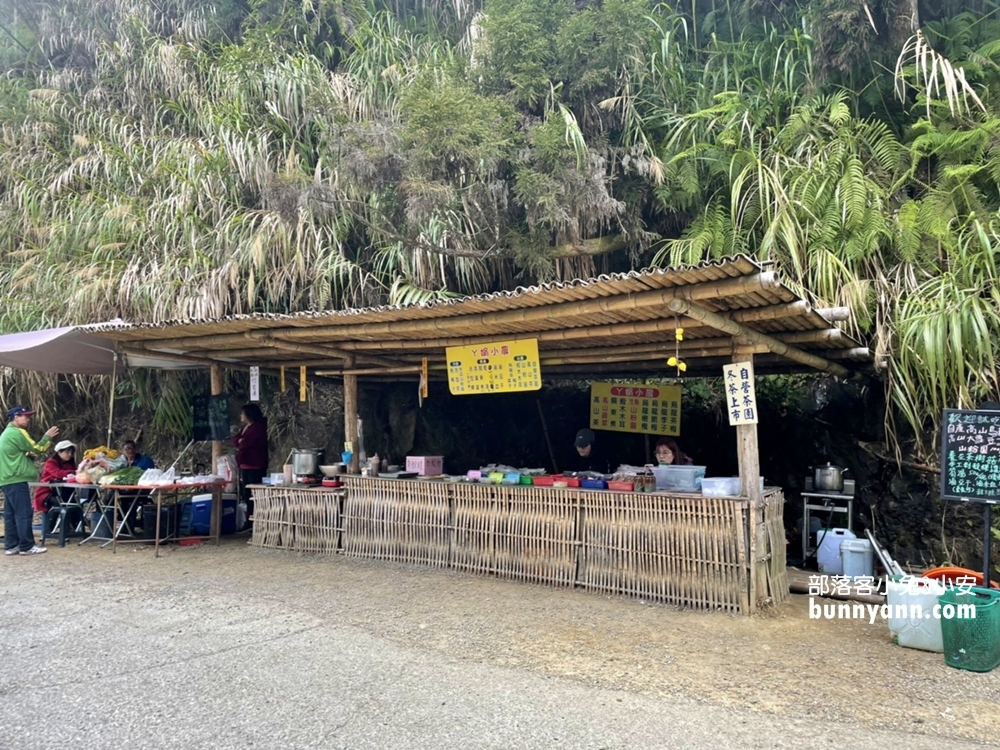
[(720, 486)]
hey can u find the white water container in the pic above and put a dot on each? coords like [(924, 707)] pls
[(828, 555), (858, 557), (916, 627)]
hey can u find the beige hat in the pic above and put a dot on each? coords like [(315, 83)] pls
[(63, 445)]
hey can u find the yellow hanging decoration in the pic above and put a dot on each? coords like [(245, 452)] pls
[(676, 360)]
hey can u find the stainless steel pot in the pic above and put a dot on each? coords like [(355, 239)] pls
[(306, 461), (829, 478)]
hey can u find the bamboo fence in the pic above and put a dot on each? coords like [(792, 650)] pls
[(719, 554)]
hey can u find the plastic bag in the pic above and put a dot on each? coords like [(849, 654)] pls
[(156, 477), (227, 469)]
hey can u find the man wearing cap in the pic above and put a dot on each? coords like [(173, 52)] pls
[(17, 449), (589, 457)]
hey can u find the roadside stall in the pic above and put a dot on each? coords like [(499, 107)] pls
[(724, 550), (103, 481)]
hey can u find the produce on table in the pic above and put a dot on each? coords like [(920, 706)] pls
[(101, 450), (127, 476)]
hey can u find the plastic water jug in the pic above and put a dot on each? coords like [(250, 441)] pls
[(911, 612), (858, 557), (828, 556)]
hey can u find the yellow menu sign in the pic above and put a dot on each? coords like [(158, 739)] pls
[(499, 367), (624, 407)]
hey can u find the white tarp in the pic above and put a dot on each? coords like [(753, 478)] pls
[(71, 350)]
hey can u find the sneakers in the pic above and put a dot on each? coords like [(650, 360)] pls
[(14, 551), (36, 550)]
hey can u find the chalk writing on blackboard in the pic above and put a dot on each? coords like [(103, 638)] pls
[(970, 455), (211, 417)]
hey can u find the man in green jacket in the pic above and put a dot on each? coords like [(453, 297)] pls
[(17, 468)]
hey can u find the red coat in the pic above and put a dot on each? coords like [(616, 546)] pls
[(54, 470), (251, 446)]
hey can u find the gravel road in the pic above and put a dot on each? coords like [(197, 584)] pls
[(237, 647)]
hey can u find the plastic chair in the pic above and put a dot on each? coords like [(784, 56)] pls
[(65, 519)]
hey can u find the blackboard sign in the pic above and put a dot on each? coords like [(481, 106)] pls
[(970, 455), (211, 418)]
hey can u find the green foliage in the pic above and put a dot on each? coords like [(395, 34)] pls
[(183, 159)]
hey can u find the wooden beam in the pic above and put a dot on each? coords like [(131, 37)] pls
[(717, 321), (351, 419), (748, 460), (215, 375)]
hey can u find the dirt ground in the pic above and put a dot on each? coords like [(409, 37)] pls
[(781, 662)]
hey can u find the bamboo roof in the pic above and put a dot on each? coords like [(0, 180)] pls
[(611, 324)]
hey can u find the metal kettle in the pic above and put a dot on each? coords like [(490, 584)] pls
[(829, 478)]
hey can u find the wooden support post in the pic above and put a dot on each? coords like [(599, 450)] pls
[(748, 456), (215, 373), (351, 419)]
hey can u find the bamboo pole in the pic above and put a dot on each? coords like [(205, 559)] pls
[(215, 374), (351, 418), (755, 337), (828, 336), (314, 350), (833, 314), (451, 320), (771, 312)]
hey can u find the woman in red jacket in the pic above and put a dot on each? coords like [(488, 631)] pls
[(251, 451), (60, 465)]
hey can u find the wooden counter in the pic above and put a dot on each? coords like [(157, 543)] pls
[(723, 554)]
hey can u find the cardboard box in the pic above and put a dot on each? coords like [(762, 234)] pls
[(425, 466)]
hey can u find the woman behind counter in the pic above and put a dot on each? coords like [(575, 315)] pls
[(668, 453), (251, 451)]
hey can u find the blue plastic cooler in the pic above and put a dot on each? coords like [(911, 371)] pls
[(196, 515)]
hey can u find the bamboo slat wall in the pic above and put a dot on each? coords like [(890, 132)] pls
[(302, 519), (408, 522), (722, 554), (515, 532)]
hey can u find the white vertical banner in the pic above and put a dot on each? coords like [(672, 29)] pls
[(255, 384), (741, 396)]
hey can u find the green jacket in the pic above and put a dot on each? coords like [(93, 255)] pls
[(15, 444)]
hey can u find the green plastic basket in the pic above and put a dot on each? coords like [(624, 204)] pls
[(971, 643)]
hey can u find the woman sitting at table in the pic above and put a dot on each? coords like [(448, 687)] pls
[(57, 468), (667, 453)]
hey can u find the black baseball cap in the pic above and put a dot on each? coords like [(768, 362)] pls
[(17, 411), (584, 438)]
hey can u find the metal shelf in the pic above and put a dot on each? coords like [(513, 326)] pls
[(835, 502)]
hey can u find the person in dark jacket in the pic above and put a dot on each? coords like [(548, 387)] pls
[(251, 451), (590, 459), (134, 458)]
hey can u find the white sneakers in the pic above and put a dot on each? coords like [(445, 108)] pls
[(36, 550)]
